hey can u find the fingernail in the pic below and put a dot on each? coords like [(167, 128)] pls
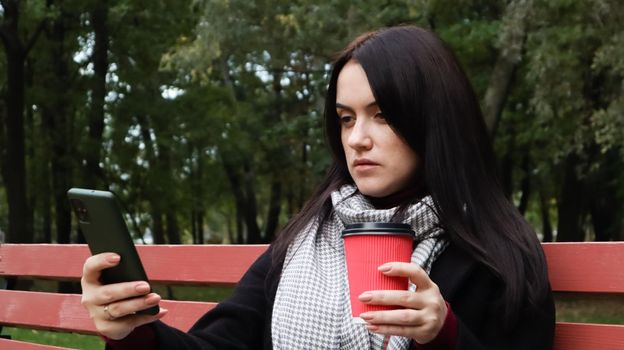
[(366, 296), (113, 258), (142, 287), (162, 312), (384, 268), (372, 327), (366, 316)]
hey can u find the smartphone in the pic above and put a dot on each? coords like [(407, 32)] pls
[(102, 223)]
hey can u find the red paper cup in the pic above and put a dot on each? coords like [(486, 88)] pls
[(367, 246)]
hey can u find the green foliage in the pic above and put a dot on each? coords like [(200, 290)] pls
[(199, 86)]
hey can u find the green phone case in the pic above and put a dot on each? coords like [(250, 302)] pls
[(105, 230)]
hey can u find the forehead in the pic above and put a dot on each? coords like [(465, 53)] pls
[(352, 87)]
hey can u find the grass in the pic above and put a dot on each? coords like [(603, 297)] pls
[(193, 293), (575, 307), (70, 340)]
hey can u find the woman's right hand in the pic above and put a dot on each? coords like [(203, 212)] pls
[(113, 307)]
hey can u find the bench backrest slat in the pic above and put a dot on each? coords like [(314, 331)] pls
[(573, 267), (63, 312), (584, 336), (187, 264), (596, 267)]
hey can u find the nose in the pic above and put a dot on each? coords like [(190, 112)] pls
[(359, 137)]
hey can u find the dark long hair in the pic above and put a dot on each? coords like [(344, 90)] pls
[(427, 99)]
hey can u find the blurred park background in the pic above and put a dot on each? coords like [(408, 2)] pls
[(205, 116)]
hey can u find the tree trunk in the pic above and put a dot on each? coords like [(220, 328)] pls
[(63, 211), (251, 209), (545, 214), (605, 206), (158, 165), (14, 173), (55, 121), (61, 171), (197, 196), (245, 213), (31, 165), (603, 212), (240, 227), (99, 19), (570, 206), (274, 210), (193, 226), (196, 227), (199, 216), (302, 188), (511, 40), (507, 165), (47, 213), (158, 228), (525, 185), (45, 175), (173, 230), (228, 238)]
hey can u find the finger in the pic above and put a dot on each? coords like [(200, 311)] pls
[(111, 293), (400, 317), (120, 328), (94, 265), (415, 273), (127, 307), (404, 298), (140, 320), (402, 331)]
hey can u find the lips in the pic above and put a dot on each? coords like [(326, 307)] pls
[(364, 163)]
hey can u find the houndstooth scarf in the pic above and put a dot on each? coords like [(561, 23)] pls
[(312, 308)]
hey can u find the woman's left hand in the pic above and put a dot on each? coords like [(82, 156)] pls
[(424, 310)]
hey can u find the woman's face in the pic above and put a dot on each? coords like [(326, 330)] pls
[(379, 161)]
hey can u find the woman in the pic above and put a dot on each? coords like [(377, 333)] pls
[(409, 144)]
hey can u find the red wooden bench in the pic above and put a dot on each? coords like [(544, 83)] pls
[(573, 267)]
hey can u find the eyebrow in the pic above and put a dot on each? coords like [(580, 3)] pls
[(340, 105)]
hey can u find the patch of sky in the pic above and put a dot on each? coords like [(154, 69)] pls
[(170, 92)]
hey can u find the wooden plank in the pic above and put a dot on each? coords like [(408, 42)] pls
[(190, 264), (592, 267), (63, 312), (576, 267), (6, 344), (583, 336)]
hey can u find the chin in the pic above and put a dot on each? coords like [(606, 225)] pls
[(374, 191)]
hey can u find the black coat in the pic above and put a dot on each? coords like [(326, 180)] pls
[(244, 320)]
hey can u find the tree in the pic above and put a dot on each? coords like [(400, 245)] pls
[(55, 101), (205, 117), (511, 42), (99, 21), (568, 101), (17, 46)]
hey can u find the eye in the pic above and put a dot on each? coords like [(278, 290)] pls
[(346, 120), (380, 116)]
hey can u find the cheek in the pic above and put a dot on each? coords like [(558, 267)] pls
[(346, 150), (407, 162), (343, 142)]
